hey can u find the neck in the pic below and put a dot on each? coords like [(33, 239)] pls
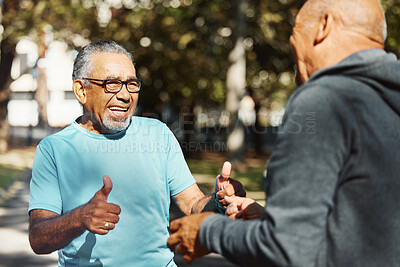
[(89, 125), (343, 46)]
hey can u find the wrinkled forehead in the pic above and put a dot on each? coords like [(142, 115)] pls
[(112, 64)]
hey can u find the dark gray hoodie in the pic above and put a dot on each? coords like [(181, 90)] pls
[(333, 181)]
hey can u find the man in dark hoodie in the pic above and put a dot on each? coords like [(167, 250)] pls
[(333, 181)]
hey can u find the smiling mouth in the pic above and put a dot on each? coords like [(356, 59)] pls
[(119, 112)]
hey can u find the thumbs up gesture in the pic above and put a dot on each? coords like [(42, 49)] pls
[(226, 186), (99, 216)]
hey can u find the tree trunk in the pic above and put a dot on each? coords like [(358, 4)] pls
[(236, 82), (7, 50), (187, 118), (42, 93), (258, 129)]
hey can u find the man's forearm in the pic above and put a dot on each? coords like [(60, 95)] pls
[(193, 200), (51, 234), (206, 203)]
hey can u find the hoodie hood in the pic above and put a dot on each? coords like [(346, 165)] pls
[(375, 67)]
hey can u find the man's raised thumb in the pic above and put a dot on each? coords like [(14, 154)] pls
[(106, 189), (226, 171)]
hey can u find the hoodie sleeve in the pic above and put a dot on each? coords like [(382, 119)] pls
[(302, 175)]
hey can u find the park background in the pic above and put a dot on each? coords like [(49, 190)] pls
[(218, 73)]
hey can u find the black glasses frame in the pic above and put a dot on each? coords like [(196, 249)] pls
[(104, 84)]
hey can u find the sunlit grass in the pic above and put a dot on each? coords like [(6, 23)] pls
[(204, 166), (252, 179), (8, 174), (250, 176)]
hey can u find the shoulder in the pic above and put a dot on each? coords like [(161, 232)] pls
[(321, 105), (318, 97), (146, 122), (60, 136), (148, 126)]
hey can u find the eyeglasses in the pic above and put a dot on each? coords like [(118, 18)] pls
[(115, 85)]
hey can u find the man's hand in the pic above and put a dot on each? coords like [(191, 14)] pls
[(243, 208), (185, 236), (49, 231), (98, 215), (225, 186), (192, 199)]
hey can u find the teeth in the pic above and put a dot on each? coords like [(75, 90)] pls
[(119, 109)]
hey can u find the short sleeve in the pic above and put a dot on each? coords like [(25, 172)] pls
[(44, 186), (178, 174)]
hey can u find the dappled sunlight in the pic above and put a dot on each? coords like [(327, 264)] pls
[(21, 158), (14, 245)]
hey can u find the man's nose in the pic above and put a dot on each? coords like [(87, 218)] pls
[(123, 94)]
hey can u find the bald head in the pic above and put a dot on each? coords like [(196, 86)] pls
[(365, 17), (328, 31)]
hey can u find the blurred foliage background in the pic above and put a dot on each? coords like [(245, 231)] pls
[(181, 47), (182, 52)]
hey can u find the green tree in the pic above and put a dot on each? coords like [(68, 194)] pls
[(181, 47), (392, 8), (21, 18), (11, 32)]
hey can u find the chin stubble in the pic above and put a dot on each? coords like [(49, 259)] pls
[(114, 125)]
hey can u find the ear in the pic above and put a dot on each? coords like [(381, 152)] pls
[(324, 28), (79, 91)]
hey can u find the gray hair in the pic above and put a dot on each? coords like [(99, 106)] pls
[(83, 66)]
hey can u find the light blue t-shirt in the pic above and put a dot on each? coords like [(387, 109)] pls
[(145, 164)]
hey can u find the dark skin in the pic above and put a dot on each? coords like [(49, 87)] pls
[(49, 231), (317, 45)]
